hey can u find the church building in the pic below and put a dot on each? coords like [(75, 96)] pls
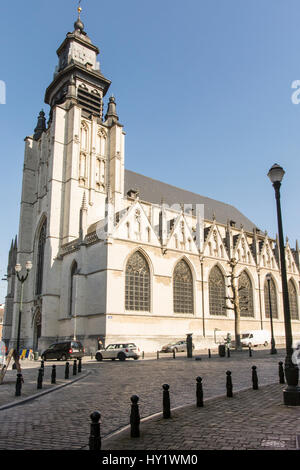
[(117, 255)]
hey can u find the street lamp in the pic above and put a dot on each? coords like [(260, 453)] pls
[(22, 279), (291, 395), (273, 349)]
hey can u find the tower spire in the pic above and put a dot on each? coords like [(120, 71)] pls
[(111, 115), (40, 127), (78, 25)]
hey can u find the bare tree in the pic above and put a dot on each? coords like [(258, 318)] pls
[(234, 299)]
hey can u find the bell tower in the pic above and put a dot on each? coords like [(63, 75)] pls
[(77, 77), (73, 166)]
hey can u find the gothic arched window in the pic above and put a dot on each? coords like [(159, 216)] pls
[(245, 295), (40, 259), (293, 300), (217, 294), (137, 283), (183, 288), (273, 299), (73, 289)]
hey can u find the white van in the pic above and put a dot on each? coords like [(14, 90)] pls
[(255, 338)]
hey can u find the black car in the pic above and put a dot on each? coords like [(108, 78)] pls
[(63, 351)]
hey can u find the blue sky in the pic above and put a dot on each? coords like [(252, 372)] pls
[(203, 88)]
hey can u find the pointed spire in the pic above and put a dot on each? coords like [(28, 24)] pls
[(229, 239), (83, 218), (10, 258), (276, 251), (254, 246), (40, 127), (111, 115)]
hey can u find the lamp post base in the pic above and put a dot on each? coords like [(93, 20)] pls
[(291, 395)]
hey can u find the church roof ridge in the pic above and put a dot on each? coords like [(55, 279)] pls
[(155, 190)]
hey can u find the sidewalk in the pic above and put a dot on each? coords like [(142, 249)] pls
[(251, 420), (30, 375)]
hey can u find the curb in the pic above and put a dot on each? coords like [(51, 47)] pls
[(45, 392), (160, 413)]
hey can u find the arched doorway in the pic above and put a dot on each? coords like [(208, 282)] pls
[(37, 330)]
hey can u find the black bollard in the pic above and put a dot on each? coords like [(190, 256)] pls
[(67, 370), (40, 379), (18, 385), (95, 436), (143, 355), (42, 366), (250, 351), (199, 391), (228, 352), (229, 384), (166, 402), (157, 355), (135, 417), (79, 365), (209, 353), (174, 354), (75, 367), (281, 373), (53, 375), (254, 378)]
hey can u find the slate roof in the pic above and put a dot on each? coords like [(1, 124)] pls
[(154, 191)]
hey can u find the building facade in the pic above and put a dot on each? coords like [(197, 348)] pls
[(117, 255)]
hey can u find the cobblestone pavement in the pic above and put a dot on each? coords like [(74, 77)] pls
[(60, 420), (29, 385), (251, 420)]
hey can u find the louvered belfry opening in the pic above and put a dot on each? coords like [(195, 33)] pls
[(90, 102)]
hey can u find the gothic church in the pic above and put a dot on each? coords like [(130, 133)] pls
[(118, 255)]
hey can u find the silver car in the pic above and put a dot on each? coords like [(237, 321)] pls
[(180, 346), (121, 351)]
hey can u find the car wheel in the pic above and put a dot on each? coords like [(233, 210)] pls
[(99, 357), (43, 357), (135, 358), (121, 356), (113, 359), (63, 357)]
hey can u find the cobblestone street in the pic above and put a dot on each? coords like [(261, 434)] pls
[(251, 420), (60, 420)]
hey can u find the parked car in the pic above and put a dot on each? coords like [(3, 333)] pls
[(64, 350), (121, 351), (180, 346), (255, 338)]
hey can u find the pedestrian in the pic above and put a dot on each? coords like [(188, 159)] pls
[(99, 344)]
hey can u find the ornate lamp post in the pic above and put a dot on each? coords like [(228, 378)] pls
[(22, 279), (291, 395), (273, 349)]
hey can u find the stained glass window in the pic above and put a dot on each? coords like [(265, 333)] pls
[(217, 292), (137, 283), (73, 289), (40, 259), (273, 299), (245, 295), (293, 300), (183, 288)]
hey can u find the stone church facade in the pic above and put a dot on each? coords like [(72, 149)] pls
[(117, 255)]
